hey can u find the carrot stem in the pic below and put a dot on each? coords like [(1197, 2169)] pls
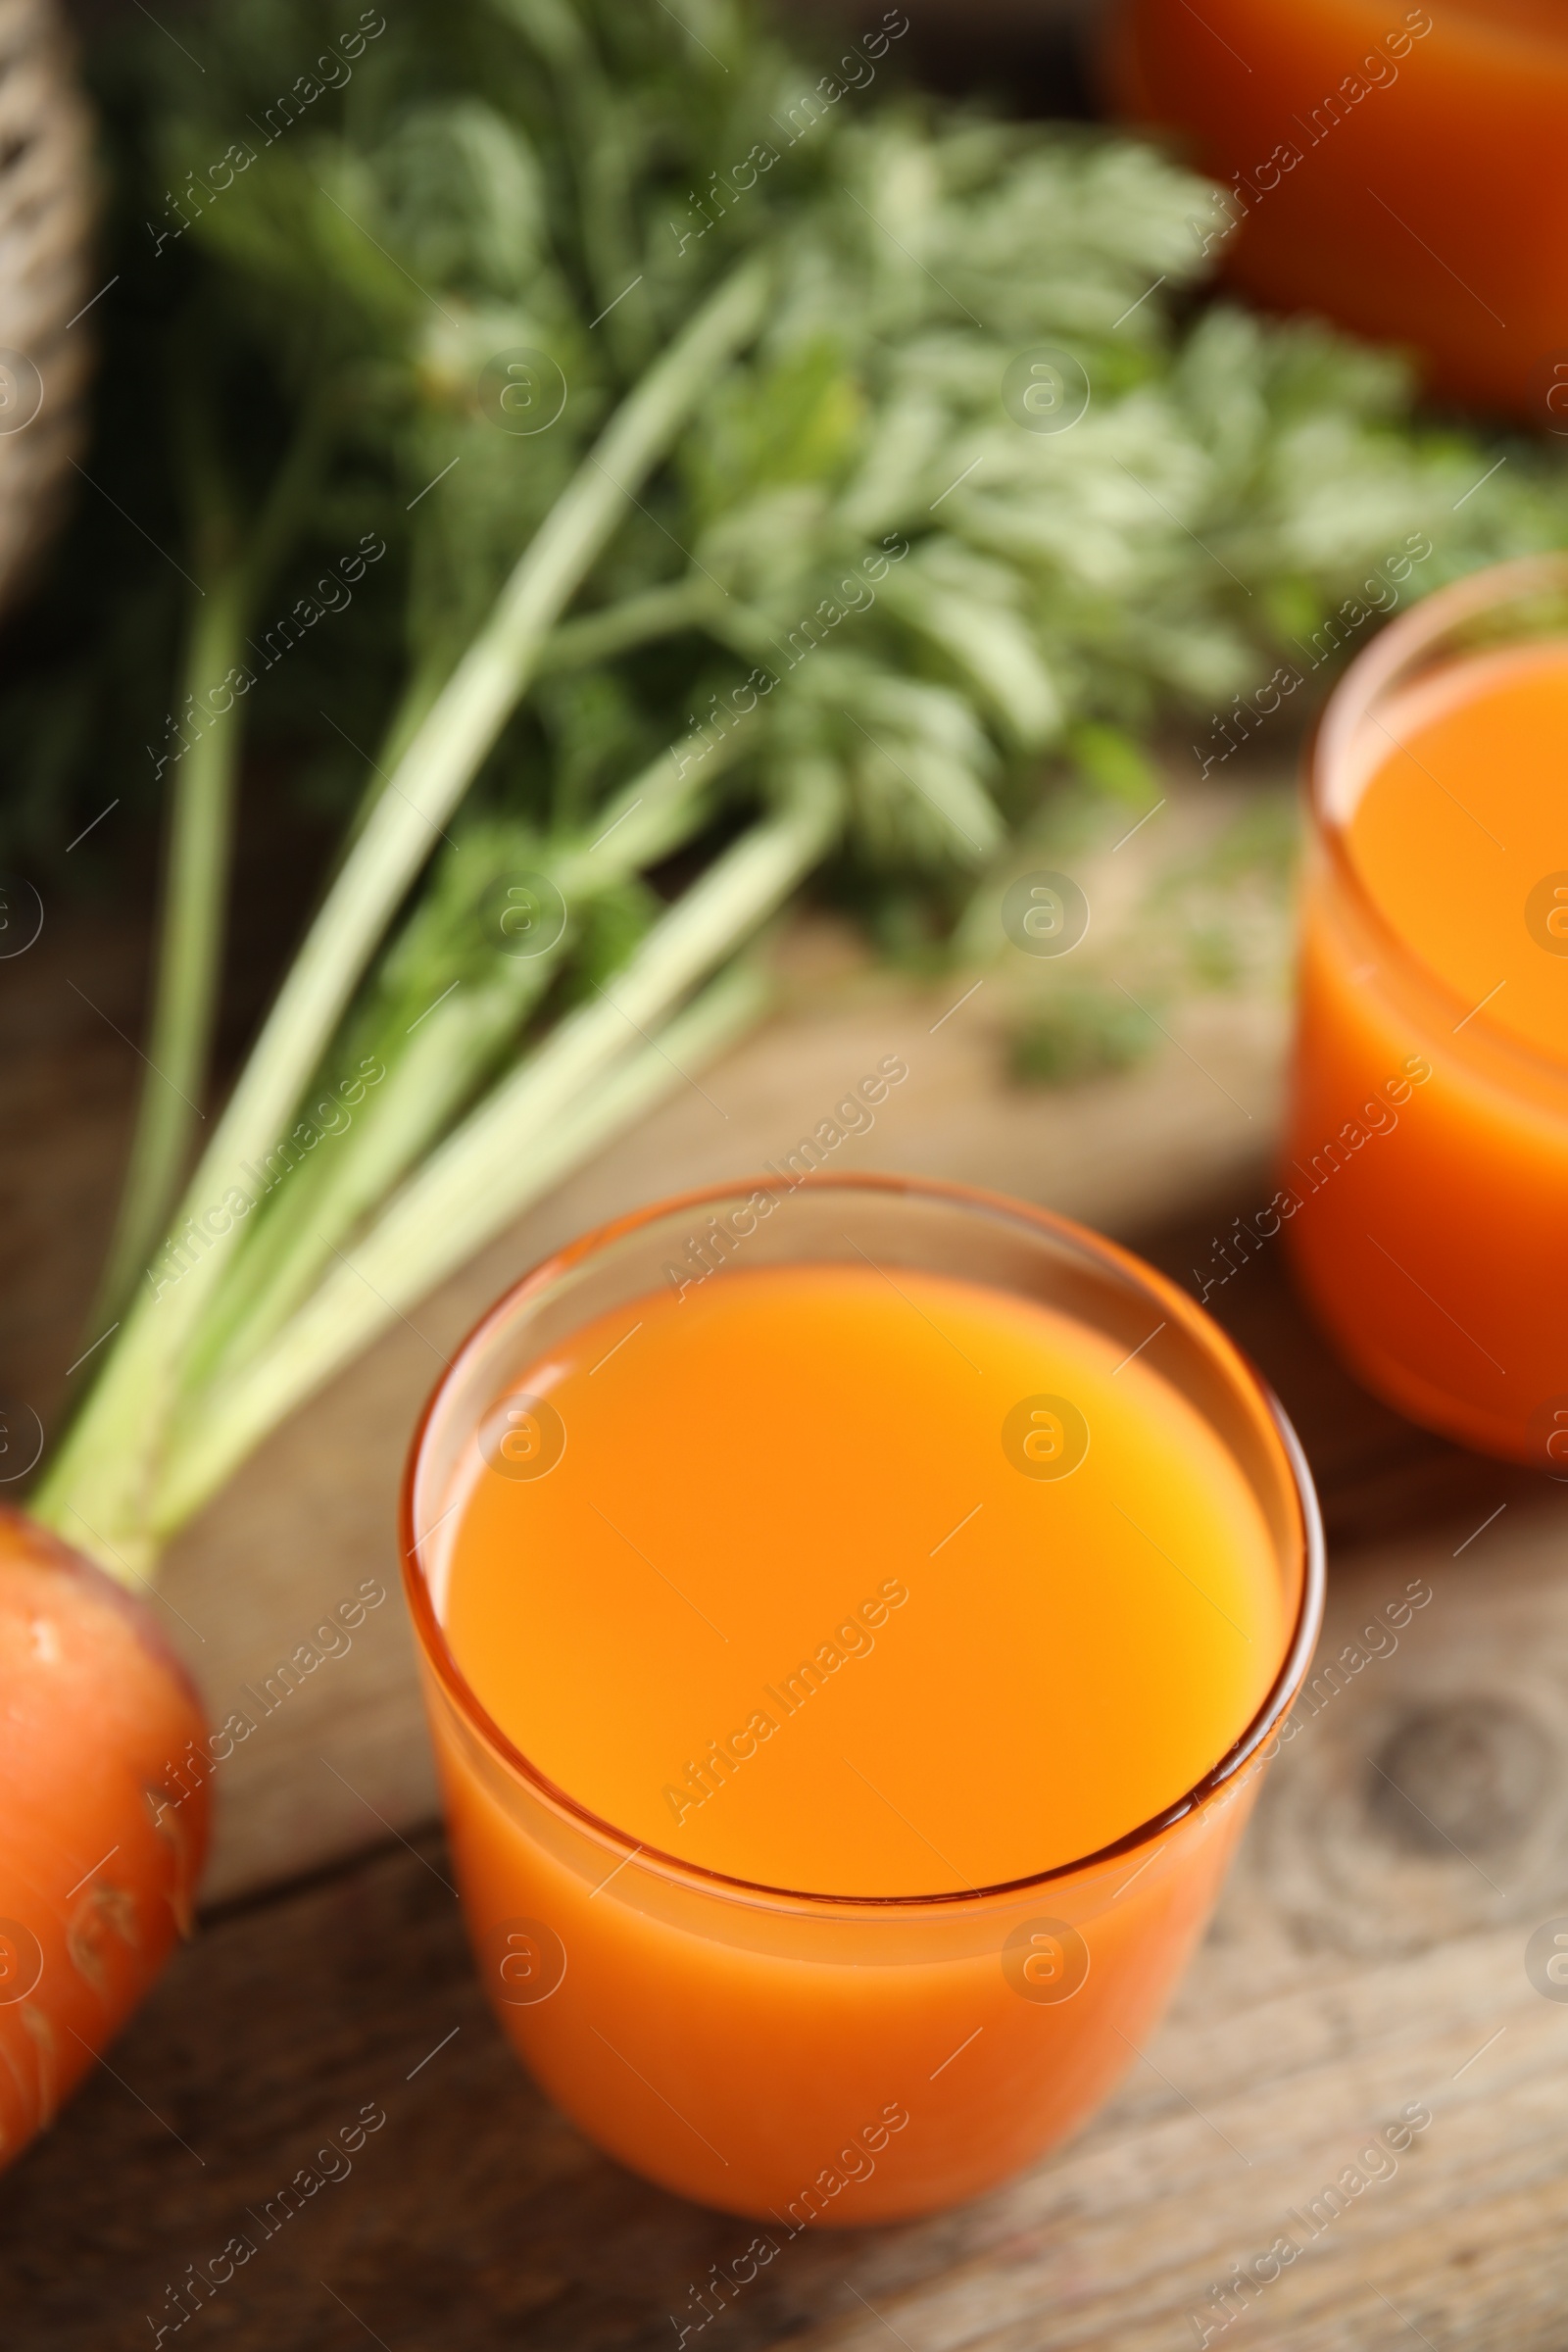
[(534, 1126), (190, 953), (110, 1465), (185, 988)]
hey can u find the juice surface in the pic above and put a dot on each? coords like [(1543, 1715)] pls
[(1460, 836), (787, 1606)]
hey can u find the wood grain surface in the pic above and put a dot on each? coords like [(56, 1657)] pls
[(1369, 1956)]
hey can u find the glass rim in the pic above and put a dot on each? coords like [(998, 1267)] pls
[(438, 1653), (1329, 745)]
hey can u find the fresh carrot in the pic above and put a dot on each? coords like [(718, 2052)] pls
[(99, 1851)]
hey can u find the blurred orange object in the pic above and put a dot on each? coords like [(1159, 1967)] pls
[(1395, 168)]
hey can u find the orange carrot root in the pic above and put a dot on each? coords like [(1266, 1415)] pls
[(99, 1850)]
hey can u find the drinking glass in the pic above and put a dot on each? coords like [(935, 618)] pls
[(794, 2057), (1427, 1145)]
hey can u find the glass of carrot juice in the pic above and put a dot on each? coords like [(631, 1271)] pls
[(1393, 168), (1425, 1182), (854, 1614)]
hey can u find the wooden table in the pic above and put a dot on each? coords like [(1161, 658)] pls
[(1369, 1952)]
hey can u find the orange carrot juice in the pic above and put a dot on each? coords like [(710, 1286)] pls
[(832, 1611), (1395, 169), (1428, 1151)]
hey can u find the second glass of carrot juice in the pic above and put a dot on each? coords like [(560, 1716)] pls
[(1393, 168), (1426, 1172), (852, 1614)]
